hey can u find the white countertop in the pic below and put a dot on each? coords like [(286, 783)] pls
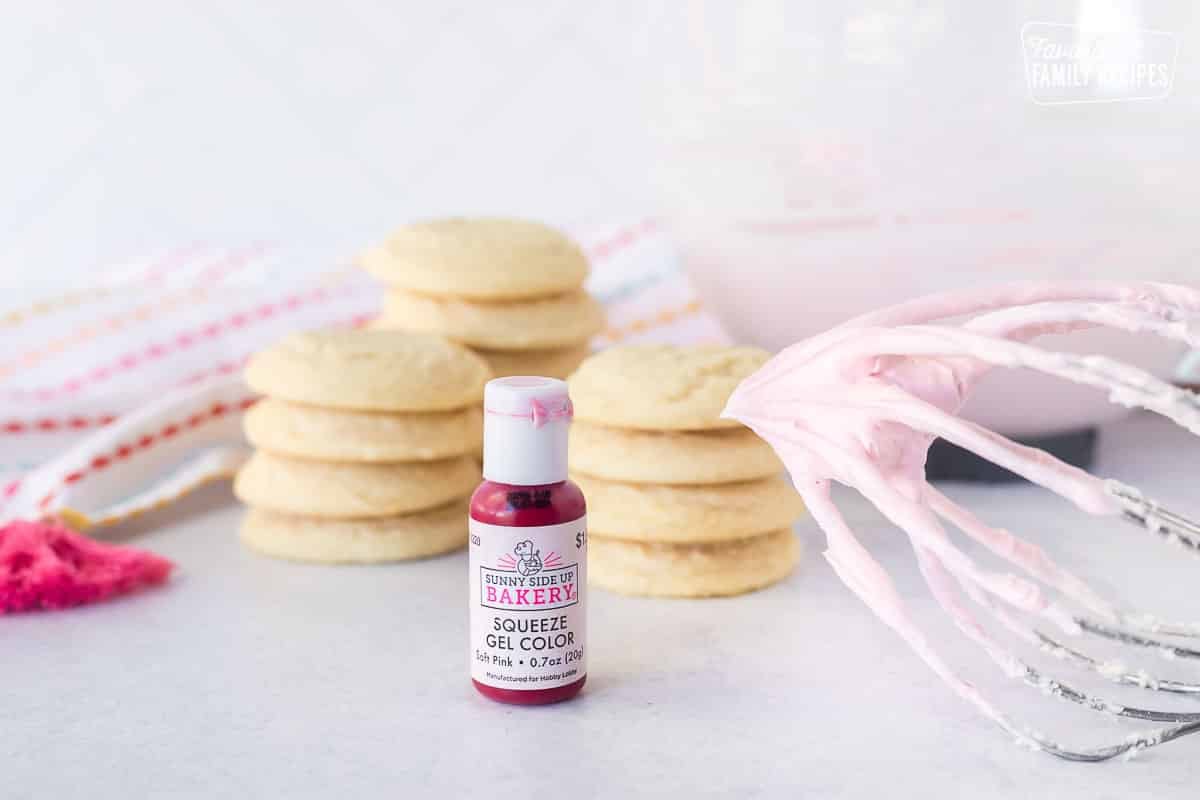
[(255, 678)]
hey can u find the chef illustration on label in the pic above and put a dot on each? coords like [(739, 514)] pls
[(529, 561)]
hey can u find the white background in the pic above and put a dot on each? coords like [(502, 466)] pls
[(131, 124), (127, 124)]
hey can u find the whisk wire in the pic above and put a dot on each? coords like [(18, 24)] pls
[(1175, 528)]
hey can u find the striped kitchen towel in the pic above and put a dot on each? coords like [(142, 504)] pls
[(125, 394)]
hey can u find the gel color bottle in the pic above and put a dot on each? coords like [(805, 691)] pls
[(528, 551)]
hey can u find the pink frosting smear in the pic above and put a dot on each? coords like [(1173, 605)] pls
[(45, 566), (860, 404)]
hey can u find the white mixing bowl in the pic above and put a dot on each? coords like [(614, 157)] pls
[(820, 160)]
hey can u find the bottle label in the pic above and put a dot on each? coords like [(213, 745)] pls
[(528, 604)]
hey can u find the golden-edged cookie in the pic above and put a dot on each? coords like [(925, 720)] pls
[(546, 322), (370, 370), (682, 457), (713, 569), (343, 489), (661, 387), (357, 541), (557, 363), (332, 434), (663, 513), (482, 259)]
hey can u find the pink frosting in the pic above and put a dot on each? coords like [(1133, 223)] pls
[(871, 395), (46, 566), (860, 405)]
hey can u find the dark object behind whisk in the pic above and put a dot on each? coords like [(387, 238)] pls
[(949, 462)]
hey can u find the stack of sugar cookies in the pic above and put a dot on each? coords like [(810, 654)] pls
[(362, 443), (680, 502), (512, 290)]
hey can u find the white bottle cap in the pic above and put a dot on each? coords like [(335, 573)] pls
[(525, 420)]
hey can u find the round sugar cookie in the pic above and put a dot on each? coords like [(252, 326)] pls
[(346, 490), (370, 370), (560, 320), (663, 513), (713, 569), (680, 457), (357, 541), (661, 387), (557, 363), (332, 434), (481, 259)]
